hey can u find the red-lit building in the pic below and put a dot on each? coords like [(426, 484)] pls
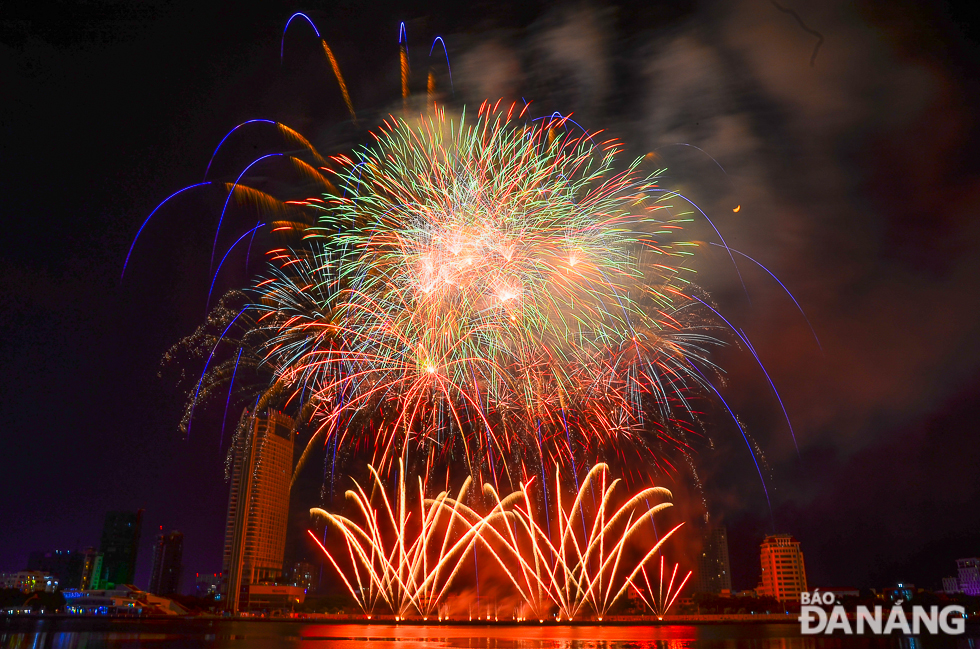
[(783, 571)]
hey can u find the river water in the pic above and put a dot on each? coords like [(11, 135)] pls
[(268, 634)]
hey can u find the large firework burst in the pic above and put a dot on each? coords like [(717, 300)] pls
[(492, 291)]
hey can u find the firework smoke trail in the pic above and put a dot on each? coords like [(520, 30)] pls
[(449, 67)]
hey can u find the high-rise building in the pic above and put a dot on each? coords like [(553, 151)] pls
[(969, 575), (168, 550), (783, 572), (91, 569), (120, 542), (714, 571), (258, 506), (304, 574)]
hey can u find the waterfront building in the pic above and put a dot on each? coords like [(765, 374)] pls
[(120, 543), (29, 581), (124, 600), (783, 571), (72, 567), (901, 592), (714, 573), (969, 575), (273, 597), (258, 506), (55, 562), (168, 550), (89, 563)]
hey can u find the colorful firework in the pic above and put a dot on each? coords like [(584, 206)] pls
[(502, 294), (576, 572), (494, 291), (501, 291), (407, 572), (561, 573)]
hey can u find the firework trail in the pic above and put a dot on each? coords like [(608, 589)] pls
[(408, 572), (664, 599), (577, 572), (409, 566)]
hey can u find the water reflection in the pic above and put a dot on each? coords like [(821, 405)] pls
[(204, 634)]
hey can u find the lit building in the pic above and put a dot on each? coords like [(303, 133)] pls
[(124, 600), (258, 506), (951, 585), (56, 562), (270, 597), (969, 575), (95, 575), (120, 542), (208, 584), (304, 574), (29, 581), (783, 572), (714, 573), (72, 568), (165, 571), (901, 592), (90, 561)]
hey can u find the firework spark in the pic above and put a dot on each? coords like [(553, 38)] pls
[(587, 566), (493, 290), (404, 564), (503, 294), (411, 566), (664, 599)]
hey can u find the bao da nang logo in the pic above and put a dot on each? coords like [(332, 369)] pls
[(822, 613)]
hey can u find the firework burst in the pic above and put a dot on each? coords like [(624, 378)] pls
[(498, 297), (494, 291)]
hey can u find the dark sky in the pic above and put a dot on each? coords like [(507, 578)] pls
[(857, 176)]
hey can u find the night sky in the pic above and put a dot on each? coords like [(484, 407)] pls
[(857, 176)]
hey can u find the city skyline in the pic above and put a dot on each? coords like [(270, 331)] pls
[(889, 401)]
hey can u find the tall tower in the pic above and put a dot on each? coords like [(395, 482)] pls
[(91, 571), (120, 541), (258, 505), (783, 572), (714, 571), (168, 551)]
